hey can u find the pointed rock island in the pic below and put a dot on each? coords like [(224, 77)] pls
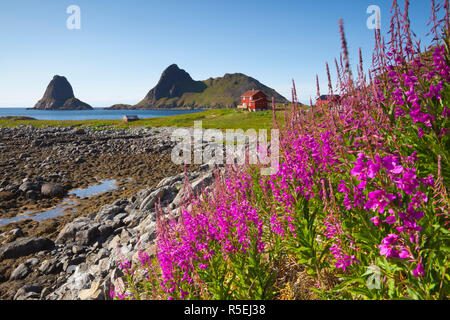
[(59, 96), (176, 89)]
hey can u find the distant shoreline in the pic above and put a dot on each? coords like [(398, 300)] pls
[(107, 108), (97, 113)]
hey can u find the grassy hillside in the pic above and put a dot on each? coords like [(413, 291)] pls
[(222, 92)]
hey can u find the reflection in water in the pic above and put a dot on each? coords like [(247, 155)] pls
[(66, 204)]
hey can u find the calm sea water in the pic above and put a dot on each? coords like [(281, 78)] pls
[(98, 113)]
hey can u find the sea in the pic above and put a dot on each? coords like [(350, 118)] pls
[(97, 113)]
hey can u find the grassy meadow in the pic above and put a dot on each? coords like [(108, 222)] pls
[(215, 118)]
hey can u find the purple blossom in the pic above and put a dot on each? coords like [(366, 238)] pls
[(408, 182), (376, 221), (420, 132), (390, 163), (390, 220), (391, 247), (435, 91), (379, 199), (419, 271), (364, 170)]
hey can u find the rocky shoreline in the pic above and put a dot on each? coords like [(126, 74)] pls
[(83, 261), (77, 256)]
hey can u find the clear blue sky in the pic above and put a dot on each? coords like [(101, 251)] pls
[(123, 46)]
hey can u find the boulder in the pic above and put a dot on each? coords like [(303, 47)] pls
[(152, 198), (52, 190), (32, 262), (107, 213), (20, 272), (170, 180), (28, 291), (78, 249), (80, 279), (28, 186), (95, 292), (196, 187), (25, 246), (82, 231), (6, 195), (49, 267), (32, 194)]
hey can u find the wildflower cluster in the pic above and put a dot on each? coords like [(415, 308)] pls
[(217, 229)]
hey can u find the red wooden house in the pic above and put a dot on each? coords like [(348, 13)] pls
[(325, 100), (254, 100)]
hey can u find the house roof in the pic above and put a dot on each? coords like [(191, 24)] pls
[(251, 93), (327, 97)]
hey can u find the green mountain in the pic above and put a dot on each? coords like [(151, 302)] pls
[(176, 89)]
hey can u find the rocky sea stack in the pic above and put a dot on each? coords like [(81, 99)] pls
[(59, 96), (174, 82)]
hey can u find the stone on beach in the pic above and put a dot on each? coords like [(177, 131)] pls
[(25, 246), (52, 190), (20, 272)]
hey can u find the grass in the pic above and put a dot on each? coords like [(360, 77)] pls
[(212, 119)]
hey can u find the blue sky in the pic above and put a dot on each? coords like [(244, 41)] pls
[(123, 45)]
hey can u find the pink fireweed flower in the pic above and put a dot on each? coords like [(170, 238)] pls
[(399, 112), (440, 64), (446, 112), (391, 247), (418, 200), (435, 91), (412, 158), (409, 79), (411, 214), (397, 96), (342, 188), (364, 170), (126, 267), (419, 271), (376, 221), (343, 261), (419, 116), (144, 258), (277, 227), (428, 181), (336, 234), (390, 163), (390, 220), (408, 182), (379, 199), (409, 226), (359, 197), (420, 132)]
